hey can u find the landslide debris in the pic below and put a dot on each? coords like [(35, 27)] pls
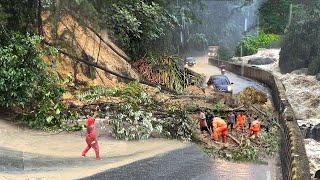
[(251, 96)]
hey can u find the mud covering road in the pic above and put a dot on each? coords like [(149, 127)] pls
[(187, 163)]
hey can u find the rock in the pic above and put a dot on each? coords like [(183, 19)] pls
[(315, 132), (318, 76), (300, 71), (317, 174), (261, 61), (306, 130), (236, 59)]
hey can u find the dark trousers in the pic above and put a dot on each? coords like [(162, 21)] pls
[(230, 124), (205, 128)]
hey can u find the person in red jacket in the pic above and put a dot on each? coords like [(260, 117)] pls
[(219, 126), (255, 128), (91, 137)]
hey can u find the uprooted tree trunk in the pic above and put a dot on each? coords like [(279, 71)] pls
[(96, 65)]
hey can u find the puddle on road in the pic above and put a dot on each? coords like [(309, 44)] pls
[(246, 171)]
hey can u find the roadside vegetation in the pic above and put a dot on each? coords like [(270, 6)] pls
[(146, 30), (250, 44), (138, 115), (29, 87), (26, 86), (303, 29)]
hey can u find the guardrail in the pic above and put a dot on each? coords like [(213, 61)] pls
[(294, 161)]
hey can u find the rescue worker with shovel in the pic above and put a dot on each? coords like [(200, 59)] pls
[(219, 127)]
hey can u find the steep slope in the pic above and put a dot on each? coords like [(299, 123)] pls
[(84, 43)]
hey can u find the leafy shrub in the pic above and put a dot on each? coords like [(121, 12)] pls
[(133, 119), (217, 108), (271, 140), (251, 44), (274, 15), (26, 85), (178, 125), (246, 153), (300, 46), (223, 53), (132, 124), (95, 93), (198, 41), (314, 66), (132, 94)]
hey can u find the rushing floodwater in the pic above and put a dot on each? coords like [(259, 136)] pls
[(303, 94)]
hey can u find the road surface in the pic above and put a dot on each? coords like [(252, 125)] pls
[(29, 154), (188, 163), (240, 83)]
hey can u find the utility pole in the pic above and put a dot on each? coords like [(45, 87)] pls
[(290, 16), (241, 48)]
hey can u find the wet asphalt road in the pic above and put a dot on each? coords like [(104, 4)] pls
[(203, 66), (191, 163), (185, 164)]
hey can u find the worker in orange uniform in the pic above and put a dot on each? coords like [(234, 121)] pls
[(219, 126), (241, 120), (255, 128)]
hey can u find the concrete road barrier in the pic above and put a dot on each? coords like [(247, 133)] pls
[(294, 161)]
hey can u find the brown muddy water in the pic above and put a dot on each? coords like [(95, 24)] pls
[(247, 171)]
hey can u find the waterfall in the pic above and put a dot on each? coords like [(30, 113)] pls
[(226, 22)]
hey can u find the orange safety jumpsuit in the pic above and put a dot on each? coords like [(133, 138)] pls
[(219, 126), (255, 128), (241, 120)]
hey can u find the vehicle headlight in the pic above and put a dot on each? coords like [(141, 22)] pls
[(229, 88)]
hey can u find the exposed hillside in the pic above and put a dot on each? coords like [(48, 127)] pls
[(84, 43)]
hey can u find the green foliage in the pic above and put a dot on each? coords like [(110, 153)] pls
[(25, 84), (192, 107), (314, 66), (223, 53), (246, 153), (132, 94), (167, 71), (133, 119), (300, 47), (198, 41), (143, 26), (178, 125), (135, 23), (18, 15), (251, 44), (3, 16), (217, 108), (270, 139), (132, 124), (274, 16)]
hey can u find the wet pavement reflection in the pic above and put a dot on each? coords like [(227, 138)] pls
[(190, 163)]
